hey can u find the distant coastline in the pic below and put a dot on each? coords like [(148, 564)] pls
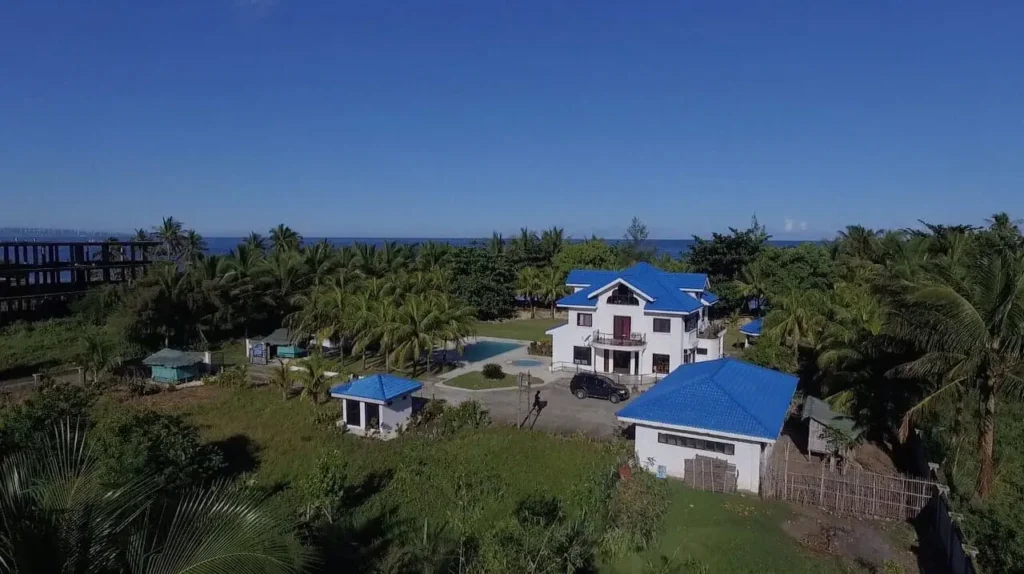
[(222, 245)]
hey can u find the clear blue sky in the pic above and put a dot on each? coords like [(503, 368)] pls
[(388, 118)]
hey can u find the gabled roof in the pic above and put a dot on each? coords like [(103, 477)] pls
[(752, 328), (726, 396), (671, 292), (280, 337), (817, 409), (381, 388), (173, 358), (708, 298)]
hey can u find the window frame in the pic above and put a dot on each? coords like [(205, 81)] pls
[(589, 320), (666, 321), (654, 363), (701, 351), (717, 447), (590, 357)]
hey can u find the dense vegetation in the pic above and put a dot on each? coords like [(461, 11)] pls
[(903, 329)]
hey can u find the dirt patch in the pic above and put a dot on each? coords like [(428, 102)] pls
[(873, 458), (172, 400), (867, 544)]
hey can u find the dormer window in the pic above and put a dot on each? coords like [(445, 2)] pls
[(622, 295)]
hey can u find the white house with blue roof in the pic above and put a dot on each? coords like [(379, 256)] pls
[(376, 402), (638, 321), (751, 331), (725, 409)]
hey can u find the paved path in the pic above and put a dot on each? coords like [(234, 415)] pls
[(563, 413)]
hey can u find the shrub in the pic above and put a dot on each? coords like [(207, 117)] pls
[(493, 371), (541, 348), (51, 404), (322, 492), (635, 512), (149, 443), (236, 377)]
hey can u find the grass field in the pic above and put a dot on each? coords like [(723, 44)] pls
[(487, 471), (726, 533), (523, 329), (476, 381)]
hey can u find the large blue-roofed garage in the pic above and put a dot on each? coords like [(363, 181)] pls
[(728, 411)]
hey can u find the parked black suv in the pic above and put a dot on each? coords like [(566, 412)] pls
[(585, 385)]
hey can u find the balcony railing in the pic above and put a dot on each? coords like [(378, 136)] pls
[(711, 330), (619, 339)]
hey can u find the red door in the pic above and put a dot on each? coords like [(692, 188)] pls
[(621, 327)]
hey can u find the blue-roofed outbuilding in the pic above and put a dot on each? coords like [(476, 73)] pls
[(725, 409), (752, 329), (376, 402)]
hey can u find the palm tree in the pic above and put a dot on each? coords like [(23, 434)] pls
[(169, 233), (281, 378), (284, 238), (313, 376), (320, 261), (795, 319), (455, 323), (416, 330), (859, 241), (528, 286), (366, 259), (285, 276), (392, 258), (58, 516), (496, 245), (362, 313), (970, 329), (97, 355), (193, 246), (255, 241), (431, 255), (172, 312), (551, 240), (552, 287), (384, 323), (752, 283)]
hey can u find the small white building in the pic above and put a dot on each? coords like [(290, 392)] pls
[(725, 409), (638, 321), (376, 403)]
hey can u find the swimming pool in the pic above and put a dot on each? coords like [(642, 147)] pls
[(482, 350), (527, 363)]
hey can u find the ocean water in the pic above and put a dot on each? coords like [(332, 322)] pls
[(222, 245), (674, 247)]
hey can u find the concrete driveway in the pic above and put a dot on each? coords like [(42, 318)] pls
[(563, 413)]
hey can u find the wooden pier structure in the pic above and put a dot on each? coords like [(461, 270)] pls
[(38, 278)]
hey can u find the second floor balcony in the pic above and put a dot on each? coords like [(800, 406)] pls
[(618, 339)]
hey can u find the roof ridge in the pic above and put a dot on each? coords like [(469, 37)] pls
[(714, 381)]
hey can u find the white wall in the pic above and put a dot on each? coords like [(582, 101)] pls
[(564, 338), (651, 454), (713, 346), (391, 416)]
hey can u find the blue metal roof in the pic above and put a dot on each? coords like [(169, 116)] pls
[(752, 328), (376, 387), (666, 289), (709, 298), (726, 395)]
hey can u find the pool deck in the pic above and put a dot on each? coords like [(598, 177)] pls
[(541, 371)]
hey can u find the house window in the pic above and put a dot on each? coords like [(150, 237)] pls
[(581, 355), (688, 356), (697, 443), (353, 413), (622, 296), (690, 322), (701, 351), (660, 363), (584, 320), (662, 325)]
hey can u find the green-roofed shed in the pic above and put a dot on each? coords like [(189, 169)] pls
[(281, 343), (173, 366), (819, 416)]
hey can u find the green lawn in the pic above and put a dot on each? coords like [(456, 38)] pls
[(484, 474), (523, 329), (726, 533), (476, 381)]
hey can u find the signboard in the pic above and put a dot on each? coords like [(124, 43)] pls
[(662, 471), (258, 354)]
